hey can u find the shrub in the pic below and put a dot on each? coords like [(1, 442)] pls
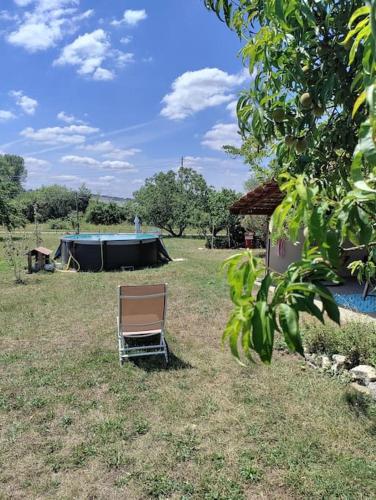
[(357, 341), (53, 202), (60, 224), (105, 213)]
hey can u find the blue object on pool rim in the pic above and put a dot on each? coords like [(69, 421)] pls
[(356, 302)]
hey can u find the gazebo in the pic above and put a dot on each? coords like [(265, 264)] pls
[(261, 201)]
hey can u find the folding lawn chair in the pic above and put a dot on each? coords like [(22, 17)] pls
[(141, 321)]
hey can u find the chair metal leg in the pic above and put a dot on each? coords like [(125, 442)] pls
[(166, 351)]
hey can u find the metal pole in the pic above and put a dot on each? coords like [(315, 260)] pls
[(77, 216)]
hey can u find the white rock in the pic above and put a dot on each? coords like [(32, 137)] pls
[(361, 389), (339, 359), (364, 373), (325, 362), (372, 387), (339, 363)]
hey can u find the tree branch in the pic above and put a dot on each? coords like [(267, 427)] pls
[(359, 247)]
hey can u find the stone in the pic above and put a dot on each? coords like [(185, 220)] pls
[(372, 387), (364, 373), (311, 360), (325, 362), (339, 363), (339, 359), (361, 389)]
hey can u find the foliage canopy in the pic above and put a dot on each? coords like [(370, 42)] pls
[(12, 174), (312, 102), (171, 200)]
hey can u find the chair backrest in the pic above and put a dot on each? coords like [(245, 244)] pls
[(142, 307)]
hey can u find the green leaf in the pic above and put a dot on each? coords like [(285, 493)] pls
[(329, 304), (363, 186), (362, 11), (263, 332), (264, 288), (289, 323), (359, 101)]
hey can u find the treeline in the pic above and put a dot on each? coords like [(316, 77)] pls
[(53, 202), (172, 201), (177, 200)]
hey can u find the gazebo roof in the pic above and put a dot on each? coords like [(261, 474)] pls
[(261, 201)]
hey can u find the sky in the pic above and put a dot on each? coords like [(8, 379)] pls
[(108, 93)]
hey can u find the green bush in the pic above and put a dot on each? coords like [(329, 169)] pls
[(60, 224), (53, 202), (105, 213), (355, 340)]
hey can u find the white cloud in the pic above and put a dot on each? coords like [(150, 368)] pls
[(74, 134), (7, 16), (107, 178), (108, 150), (126, 39), (6, 115), (23, 3), (131, 17), (86, 51), (45, 25), (194, 91), (85, 161), (32, 162), (120, 154), (27, 104), (220, 135), (100, 147), (103, 74), (138, 181), (92, 162), (67, 178), (66, 118), (89, 51), (123, 58), (36, 166), (118, 165), (231, 108)]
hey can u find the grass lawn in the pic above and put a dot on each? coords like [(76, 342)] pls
[(76, 425)]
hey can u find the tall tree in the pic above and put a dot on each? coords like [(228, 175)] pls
[(172, 200), (313, 101), (12, 175), (53, 202), (215, 216)]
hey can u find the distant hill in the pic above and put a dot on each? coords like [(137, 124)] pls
[(111, 199)]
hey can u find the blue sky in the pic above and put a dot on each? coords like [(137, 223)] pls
[(110, 92)]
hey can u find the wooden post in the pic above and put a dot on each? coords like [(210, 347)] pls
[(29, 263)]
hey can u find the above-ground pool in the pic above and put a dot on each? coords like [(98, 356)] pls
[(105, 251)]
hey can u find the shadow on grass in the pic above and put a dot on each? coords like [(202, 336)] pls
[(158, 363)]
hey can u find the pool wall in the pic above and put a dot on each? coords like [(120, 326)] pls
[(109, 252)]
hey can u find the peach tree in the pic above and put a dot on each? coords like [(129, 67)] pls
[(311, 106)]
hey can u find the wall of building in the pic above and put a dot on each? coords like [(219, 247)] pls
[(279, 257)]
